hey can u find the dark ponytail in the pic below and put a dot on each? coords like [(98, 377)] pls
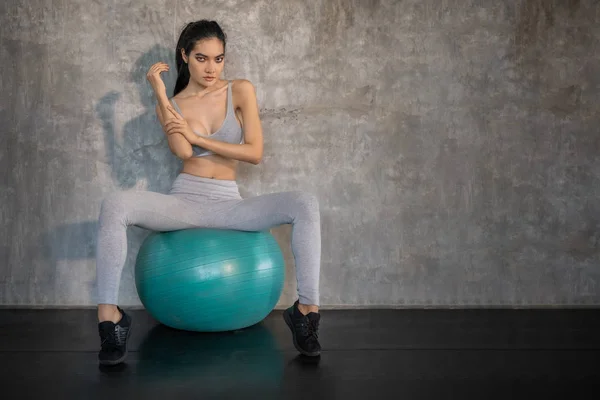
[(192, 33)]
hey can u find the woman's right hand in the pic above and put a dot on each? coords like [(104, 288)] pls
[(154, 78)]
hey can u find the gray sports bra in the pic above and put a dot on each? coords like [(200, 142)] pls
[(229, 132)]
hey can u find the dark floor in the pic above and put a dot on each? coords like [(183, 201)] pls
[(395, 354)]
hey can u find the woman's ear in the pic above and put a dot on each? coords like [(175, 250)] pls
[(185, 59)]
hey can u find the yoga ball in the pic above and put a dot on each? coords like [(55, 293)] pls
[(209, 280)]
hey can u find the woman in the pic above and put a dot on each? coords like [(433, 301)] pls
[(211, 124)]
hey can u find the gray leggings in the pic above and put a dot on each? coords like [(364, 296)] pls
[(196, 202)]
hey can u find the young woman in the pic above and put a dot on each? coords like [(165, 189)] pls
[(211, 124)]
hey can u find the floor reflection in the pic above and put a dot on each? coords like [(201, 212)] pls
[(218, 363)]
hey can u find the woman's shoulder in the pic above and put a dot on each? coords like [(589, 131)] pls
[(242, 86)]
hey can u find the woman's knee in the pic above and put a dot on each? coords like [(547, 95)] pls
[(114, 205), (307, 202)]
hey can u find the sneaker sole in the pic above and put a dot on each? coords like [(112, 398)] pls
[(288, 321), (119, 360)]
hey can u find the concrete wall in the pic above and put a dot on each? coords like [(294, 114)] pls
[(454, 146)]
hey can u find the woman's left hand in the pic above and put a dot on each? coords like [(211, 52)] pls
[(177, 124)]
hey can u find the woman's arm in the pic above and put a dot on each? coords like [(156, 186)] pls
[(178, 144), (251, 150)]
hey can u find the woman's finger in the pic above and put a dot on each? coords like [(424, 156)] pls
[(172, 113), (171, 126), (175, 113), (174, 121), (175, 125), (173, 129)]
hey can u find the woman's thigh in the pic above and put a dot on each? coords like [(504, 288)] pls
[(259, 212), (151, 210)]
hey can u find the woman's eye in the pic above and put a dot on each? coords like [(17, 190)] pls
[(200, 59), (220, 59)]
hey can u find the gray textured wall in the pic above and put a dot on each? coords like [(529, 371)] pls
[(454, 146)]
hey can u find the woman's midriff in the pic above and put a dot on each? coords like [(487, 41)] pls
[(213, 166)]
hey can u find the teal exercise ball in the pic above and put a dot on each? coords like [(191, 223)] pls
[(209, 280)]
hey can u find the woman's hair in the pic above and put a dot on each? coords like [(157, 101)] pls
[(193, 32)]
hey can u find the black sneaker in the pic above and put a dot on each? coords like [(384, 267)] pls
[(114, 340), (305, 329)]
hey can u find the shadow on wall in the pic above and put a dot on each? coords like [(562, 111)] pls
[(141, 152), (139, 156)]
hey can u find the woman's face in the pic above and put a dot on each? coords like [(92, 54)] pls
[(206, 61)]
